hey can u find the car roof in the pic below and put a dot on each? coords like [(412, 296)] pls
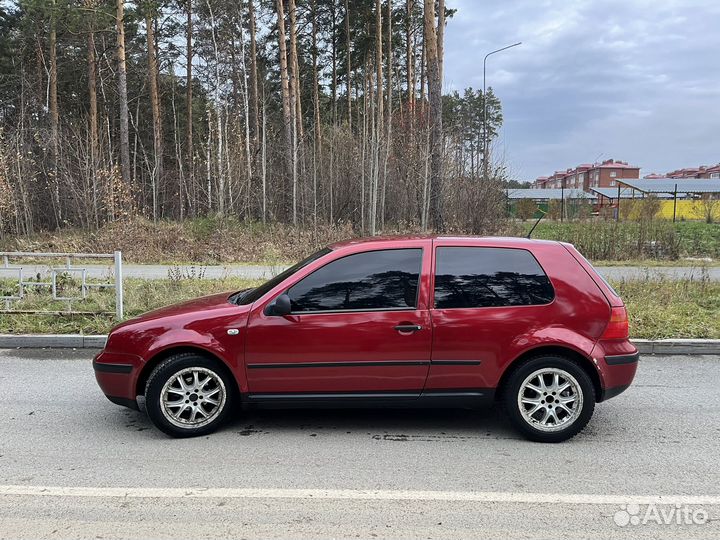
[(506, 241)]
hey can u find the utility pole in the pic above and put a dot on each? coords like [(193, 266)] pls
[(485, 136)]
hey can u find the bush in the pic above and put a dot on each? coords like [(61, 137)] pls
[(525, 209), (616, 241)]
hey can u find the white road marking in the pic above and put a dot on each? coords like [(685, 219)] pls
[(357, 494)]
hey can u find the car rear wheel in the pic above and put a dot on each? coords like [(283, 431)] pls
[(188, 395), (549, 399)]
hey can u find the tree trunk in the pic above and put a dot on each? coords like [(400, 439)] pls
[(254, 107), (93, 120), (189, 107), (157, 172), (295, 68), (378, 126), (410, 55), (287, 99), (333, 33), (316, 87), (125, 166), (348, 82), (219, 106), (435, 116), (423, 72), (388, 115), (441, 37), (54, 116)]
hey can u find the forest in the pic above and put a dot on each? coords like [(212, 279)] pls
[(300, 112)]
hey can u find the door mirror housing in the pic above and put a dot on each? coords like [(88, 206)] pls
[(280, 307)]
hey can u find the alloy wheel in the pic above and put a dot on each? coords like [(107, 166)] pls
[(550, 399), (193, 397)]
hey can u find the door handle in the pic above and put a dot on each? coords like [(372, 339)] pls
[(408, 328)]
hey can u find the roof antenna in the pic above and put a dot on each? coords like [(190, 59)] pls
[(542, 215)]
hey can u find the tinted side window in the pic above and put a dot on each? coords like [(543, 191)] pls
[(467, 277), (385, 279)]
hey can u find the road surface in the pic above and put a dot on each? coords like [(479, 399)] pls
[(159, 271), (73, 465)]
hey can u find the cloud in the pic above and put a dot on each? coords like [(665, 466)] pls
[(636, 80)]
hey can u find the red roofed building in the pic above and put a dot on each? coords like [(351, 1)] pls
[(589, 175), (607, 173), (710, 172), (703, 171)]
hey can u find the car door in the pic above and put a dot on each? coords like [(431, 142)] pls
[(359, 326)]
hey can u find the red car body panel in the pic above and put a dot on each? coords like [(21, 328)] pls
[(357, 340), (360, 353)]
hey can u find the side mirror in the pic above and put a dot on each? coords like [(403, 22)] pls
[(280, 307)]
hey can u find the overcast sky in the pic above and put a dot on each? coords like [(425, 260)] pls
[(637, 80)]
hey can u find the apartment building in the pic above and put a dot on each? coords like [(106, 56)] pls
[(589, 175), (703, 171)]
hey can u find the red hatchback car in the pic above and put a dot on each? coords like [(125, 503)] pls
[(412, 321)]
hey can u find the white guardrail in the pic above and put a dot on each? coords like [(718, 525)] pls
[(10, 269)]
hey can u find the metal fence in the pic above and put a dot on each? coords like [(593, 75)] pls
[(20, 272)]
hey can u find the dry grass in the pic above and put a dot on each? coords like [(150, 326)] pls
[(672, 309), (202, 241), (657, 308), (140, 296), (223, 241)]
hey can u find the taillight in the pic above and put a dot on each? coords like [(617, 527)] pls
[(618, 326)]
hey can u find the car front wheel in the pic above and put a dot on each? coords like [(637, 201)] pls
[(188, 395), (549, 399)]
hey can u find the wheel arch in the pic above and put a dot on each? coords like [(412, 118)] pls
[(556, 350), (156, 360)]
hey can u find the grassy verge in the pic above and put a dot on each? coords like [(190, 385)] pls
[(207, 241), (140, 296), (627, 241), (672, 309), (693, 262), (658, 309)]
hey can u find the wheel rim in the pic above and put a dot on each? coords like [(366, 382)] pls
[(193, 397), (550, 399)]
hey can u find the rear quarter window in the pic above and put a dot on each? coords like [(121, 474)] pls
[(474, 277)]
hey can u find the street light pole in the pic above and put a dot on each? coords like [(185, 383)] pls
[(485, 137)]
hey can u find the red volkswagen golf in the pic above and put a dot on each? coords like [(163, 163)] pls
[(412, 321)]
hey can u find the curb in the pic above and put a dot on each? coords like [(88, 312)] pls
[(51, 341), (80, 341), (678, 346)]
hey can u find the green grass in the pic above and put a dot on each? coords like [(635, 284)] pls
[(658, 308), (642, 263), (672, 309), (624, 241)]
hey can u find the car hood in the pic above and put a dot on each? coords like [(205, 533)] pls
[(207, 305)]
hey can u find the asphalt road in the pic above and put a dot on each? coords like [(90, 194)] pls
[(73, 465), (158, 271)]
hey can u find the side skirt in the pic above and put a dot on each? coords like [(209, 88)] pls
[(466, 398)]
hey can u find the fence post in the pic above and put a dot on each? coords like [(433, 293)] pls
[(118, 285)]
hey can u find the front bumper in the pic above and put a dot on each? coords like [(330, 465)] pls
[(116, 374)]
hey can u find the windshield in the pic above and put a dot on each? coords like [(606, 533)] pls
[(253, 294)]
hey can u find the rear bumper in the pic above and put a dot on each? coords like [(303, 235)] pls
[(116, 374), (618, 372)]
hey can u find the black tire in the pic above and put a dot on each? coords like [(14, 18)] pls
[(175, 420), (531, 426)]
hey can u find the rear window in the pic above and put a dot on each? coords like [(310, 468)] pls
[(473, 277)]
